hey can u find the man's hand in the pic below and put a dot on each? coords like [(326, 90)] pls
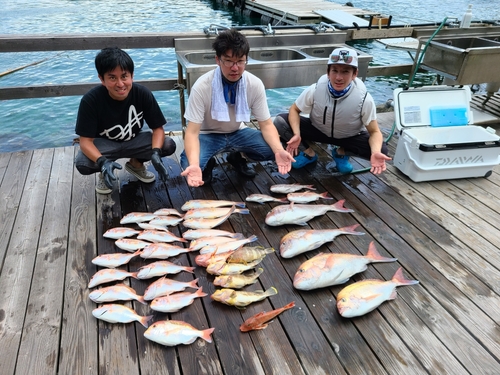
[(193, 175), (158, 164), (284, 161), (107, 168), (293, 145), (377, 161)]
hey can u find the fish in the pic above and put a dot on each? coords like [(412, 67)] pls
[(307, 196), (137, 217), (164, 286), (203, 260), (114, 260), (259, 321), (263, 198), (174, 302), (131, 244), (212, 212), (120, 232), (167, 212), (290, 188), (118, 292), (159, 236), (237, 281), (326, 269), (223, 268), (210, 241), (364, 296), (194, 234), (175, 332), (116, 313), (148, 226), (161, 268), (248, 254), (241, 299), (302, 240), (299, 214), (207, 223), (228, 246), (166, 220), (108, 275), (162, 250), (203, 203)]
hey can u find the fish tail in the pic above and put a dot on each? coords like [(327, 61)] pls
[(258, 272), (325, 195), (289, 306), (310, 187), (194, 283), (375, 256), (252, 238), (134, 275), (339, 206), (189, 269), (284, 200), (145, 319), (271, 291), (351, 230), (141, 300), (240, 204), (399, 278), (205, 334), (242, 210), (200, 292)]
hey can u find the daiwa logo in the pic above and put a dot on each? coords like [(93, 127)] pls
[(460, 160)]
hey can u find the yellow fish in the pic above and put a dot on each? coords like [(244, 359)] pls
[(237, 281), (241, 299)]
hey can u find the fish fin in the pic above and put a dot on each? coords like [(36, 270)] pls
[(242, 210), (289, 306), (271, 291), (339, 206), (375, 256), (399, 279), (325, 195), (145, 319), (393, 295), (261, 326), (374, 296), (239, 204), (134, 275), (206, 334), (141, 300)]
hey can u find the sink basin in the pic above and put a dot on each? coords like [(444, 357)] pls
[(465, 61), (276, 55), (200, 58), (320, 52)]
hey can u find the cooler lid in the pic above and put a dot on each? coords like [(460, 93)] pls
[(413, 107)]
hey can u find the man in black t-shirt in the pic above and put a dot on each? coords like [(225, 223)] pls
[(110, 124)]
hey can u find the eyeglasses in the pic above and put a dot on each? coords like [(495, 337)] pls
[(230, 64), (345, 58)]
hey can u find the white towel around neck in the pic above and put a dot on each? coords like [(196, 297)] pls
[(219, 110)]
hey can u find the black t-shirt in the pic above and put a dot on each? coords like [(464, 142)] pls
[(100, 116)]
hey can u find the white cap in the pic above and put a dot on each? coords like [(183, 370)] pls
[(344, 56)]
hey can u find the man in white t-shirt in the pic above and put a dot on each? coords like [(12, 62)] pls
[(341, 113), (219, 104)]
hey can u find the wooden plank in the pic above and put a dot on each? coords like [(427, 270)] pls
[(79, 328), (342, 18), (15, 279), (38, 351)]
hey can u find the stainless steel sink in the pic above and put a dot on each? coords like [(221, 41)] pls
[(464, 60), (276, 54)]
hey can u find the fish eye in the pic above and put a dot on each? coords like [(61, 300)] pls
[(301, 270), (342, 300)]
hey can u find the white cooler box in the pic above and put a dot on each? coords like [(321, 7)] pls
[(437, 140)]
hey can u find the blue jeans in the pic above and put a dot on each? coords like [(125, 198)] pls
[(138, 147), (247, 140)]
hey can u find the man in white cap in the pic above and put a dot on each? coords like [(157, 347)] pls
[(341, 113)]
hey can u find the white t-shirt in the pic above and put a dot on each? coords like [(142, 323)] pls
[(198, 109)]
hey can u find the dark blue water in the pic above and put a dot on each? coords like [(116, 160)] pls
[(40, 123)]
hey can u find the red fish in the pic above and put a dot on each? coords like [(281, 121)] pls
[(259, 321)]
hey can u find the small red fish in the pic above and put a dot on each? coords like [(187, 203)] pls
[(259, 321)]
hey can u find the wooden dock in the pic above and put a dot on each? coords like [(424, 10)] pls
[(445, 234)]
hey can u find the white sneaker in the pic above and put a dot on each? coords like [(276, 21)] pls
[(101, 187), (142, 174)]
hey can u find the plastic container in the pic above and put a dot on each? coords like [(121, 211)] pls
[(466, 19), (448, 116)]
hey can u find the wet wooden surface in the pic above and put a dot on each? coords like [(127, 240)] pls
[(444, 233)]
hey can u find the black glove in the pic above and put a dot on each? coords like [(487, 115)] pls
[(158, 164), (107, 167)]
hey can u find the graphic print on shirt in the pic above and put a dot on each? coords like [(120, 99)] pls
[(125, 133)]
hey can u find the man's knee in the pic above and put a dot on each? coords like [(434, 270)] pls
[(281, 124), (169, 147)]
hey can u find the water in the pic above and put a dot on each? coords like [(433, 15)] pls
[(49, 122)]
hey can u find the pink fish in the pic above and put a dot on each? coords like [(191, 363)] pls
[(326, 269), (164, 286), (262, 198), (175, 302), (137, 217), (108, 275), (167, 211), (302, 240), (159, 236), (364, 296), (115, 313), (259, 321), (119, 292), (228, 246), (203, 203), (194, 234), (120, 232), (207, 223), (307, 196), (162, 250), (131, 244), (203, 260), (299, 214), (210, 241), (289, 188), (166, 220), (175, 332), (212, 212), (114, 260), (161, 268)]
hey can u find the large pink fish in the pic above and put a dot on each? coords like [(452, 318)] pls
[(195, 223), (108, 275), (227, 246), (203, 260), (116, 313), (364, 296), (289, 188), (161, 268), (137, 217), (194, 234), (162, 250), (327, 269), (212, 212), (210, 241), (119, 292), (114, 260), (164, 286), (159, 236), (174, 302), (299, 214), (262, 198), (131, 244), (167, 211), (120, 232), (302, 240), (203, 203), (307, 196), (175, 332)]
